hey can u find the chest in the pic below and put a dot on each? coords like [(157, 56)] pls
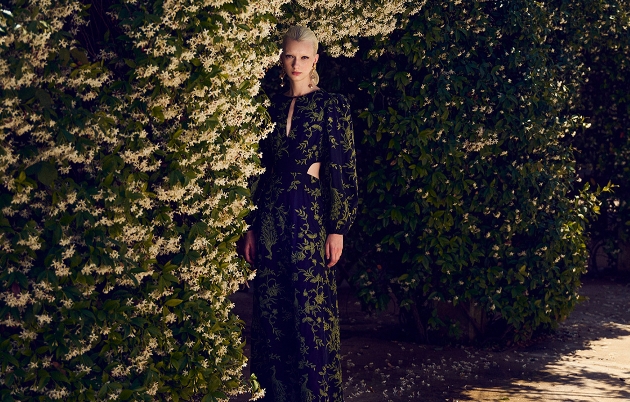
[(300, 128)]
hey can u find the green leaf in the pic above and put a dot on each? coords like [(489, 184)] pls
[(158, 114), (170, 278), (79, 56), (43, 97), (5, 357), (154, 331), (47, 174), (58, 376), (173, 302), (64, 55)]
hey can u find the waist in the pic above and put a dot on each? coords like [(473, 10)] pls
[(312, 170)]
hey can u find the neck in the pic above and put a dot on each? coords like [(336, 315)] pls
[(300, 89)]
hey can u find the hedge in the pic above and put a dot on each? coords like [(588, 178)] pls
[(597, 35), (471, 207)]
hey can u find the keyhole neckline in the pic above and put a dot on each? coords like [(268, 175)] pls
[(299, 96)]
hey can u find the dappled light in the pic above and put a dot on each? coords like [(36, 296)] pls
[(586, 359)]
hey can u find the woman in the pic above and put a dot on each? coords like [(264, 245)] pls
[(306, 202)]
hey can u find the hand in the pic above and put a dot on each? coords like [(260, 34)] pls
[(334, 248), (249, 246)]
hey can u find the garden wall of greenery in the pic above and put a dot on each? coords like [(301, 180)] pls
[(472, 200), (128, 136), (479, 116), (599, 32)]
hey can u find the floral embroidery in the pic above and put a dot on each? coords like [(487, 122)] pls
[(295, 331)]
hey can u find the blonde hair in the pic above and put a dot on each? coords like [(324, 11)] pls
[(302, 34)]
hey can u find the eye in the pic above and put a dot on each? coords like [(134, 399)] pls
[(288, 56), (305, 57)]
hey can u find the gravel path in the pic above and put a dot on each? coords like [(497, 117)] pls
[(587, 359)]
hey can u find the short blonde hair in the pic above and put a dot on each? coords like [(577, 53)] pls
[(302, 34)]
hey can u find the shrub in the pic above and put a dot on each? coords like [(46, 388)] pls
[(124, 170), (469, 197), (596, 35)]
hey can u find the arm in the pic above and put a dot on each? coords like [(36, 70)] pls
[(249, 247), (342, 175), (334, 248)]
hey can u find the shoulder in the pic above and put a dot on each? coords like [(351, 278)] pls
[(334, 100), (330, 96)]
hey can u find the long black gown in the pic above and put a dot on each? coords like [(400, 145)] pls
[(295, 328)]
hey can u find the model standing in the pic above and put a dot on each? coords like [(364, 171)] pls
[(306, 200)]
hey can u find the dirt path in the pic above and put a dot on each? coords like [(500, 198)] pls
[(587, 359)]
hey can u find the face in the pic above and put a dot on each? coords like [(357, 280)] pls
[(298, 59)]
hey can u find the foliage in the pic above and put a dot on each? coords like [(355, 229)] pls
[(597, 35), (469, 193), (339, 23), (126, 148), (124, 179)]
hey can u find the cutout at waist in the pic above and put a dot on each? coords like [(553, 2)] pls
[(314, 169)]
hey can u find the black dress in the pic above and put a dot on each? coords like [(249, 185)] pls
[(295, 328)]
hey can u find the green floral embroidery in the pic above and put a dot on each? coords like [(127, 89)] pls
[(295, 332)]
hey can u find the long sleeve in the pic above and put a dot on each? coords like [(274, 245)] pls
[(341, 167)]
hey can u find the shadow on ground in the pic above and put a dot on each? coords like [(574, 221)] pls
[(586, 359)]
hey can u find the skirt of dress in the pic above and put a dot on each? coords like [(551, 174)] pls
[(295, 326)]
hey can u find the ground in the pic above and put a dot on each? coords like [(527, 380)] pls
[(586, 359)]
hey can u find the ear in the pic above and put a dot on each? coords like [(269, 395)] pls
[(316, 58)]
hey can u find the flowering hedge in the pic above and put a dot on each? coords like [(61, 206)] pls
[(126, 146), (469, 184), (124, 177)]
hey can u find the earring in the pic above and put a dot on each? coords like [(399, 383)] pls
[(282, 74), (310, 84)]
